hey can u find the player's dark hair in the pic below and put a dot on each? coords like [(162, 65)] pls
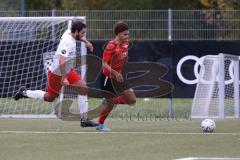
[(77, 26), (119, 27)]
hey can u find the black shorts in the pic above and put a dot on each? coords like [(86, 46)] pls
[(111, 85)]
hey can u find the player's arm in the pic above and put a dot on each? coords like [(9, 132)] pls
[(64, 53), (88, 44), (115, 74), (62, 63)]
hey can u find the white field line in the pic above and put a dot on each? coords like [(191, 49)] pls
[(207, 158), (151, 133)]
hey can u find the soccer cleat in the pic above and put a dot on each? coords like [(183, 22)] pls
[(88, 123), (103, 128), (20, 94)]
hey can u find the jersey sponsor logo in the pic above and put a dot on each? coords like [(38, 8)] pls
[(63, 51), (122, 55)]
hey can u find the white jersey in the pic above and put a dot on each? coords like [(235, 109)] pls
[(66, 48)]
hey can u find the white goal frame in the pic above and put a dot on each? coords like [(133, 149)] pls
[(219, 91), (83, 60)]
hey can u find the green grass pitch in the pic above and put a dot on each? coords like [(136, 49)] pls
[(50, 139)]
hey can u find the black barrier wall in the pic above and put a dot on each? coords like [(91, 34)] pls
[(199, 49), (24, 66)]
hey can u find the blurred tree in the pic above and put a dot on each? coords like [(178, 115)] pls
[(130, 4), (40, 4), (220, 4), (9, 5), (139, 4)]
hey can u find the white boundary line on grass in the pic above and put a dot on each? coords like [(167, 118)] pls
[(152, 133), (207, 158)]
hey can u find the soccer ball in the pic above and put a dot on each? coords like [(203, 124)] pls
[(208, 125)]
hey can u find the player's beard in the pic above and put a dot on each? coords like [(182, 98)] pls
[(78, 37)]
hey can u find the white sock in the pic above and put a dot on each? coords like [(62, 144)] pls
[(83, 105), (36, 94)]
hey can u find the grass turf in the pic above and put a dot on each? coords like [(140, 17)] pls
[(27, 139)]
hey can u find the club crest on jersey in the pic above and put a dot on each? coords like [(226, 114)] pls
[(63, 51), (125, 46)]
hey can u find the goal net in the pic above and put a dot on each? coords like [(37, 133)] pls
[(27, 46), (217, 91)]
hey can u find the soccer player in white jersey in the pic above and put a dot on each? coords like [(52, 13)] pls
[(62, 72)]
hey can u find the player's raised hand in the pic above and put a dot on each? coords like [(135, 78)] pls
[(89, 46)]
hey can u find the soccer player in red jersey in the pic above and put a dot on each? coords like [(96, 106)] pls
[(115, 55)]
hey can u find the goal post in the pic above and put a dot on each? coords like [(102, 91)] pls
[(24, 43), (217, 90)]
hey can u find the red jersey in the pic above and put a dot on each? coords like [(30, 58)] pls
[(116, 55)]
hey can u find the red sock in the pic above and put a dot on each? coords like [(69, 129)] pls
[(119, 100), (103, 115)]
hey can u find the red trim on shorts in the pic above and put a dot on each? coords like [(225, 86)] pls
[(73, 76), (54, 81)]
